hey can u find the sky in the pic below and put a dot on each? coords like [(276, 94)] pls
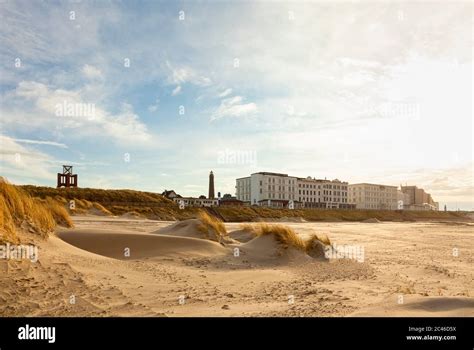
[(152, 95)]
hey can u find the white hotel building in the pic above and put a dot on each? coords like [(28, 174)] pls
[(372, 196), (276, 190), (264, 186)]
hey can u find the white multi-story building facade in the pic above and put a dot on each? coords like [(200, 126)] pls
[(277, 190), (317, 193), (263, 186), (373, 196)]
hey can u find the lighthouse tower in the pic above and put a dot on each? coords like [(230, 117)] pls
[(211, 186)]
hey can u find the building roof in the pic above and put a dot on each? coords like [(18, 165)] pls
[(166, 193), (298, 178), (269, 173), (321, 180), (365, 183)]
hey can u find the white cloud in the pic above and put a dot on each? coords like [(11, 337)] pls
[(20, 162), (176, 90), (225, 93), (233, 107), (92, 72), (182, 75), (154, 107), (50, 107), (41, 142)]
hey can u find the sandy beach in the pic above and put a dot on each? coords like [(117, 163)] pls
[(108, 266)]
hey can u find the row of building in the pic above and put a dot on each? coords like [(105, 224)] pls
[(281, 190), (277, 190), (203, 201)]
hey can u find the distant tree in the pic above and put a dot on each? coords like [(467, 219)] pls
[(202, 197), (227, 195)]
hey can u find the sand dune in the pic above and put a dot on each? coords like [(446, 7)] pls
[(267, 250), (170, 273), (185, 228), (242, 235), (421, 306), (114, 244), (194, 228)]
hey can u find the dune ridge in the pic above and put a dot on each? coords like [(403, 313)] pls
[(130, 245), (203, 227)]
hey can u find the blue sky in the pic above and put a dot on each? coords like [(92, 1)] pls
[(363, 92)]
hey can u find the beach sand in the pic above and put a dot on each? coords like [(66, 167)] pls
[(109, 266)]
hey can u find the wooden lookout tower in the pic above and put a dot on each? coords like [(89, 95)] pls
[(67, 178)]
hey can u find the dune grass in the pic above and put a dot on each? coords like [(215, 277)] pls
[(208, 224), (287, 236), (19, 210), (101, 208), (97, 195), (316, 246), (7, 223), (84, 206), (249, 227), (114, 202), (58, 211), (324, 239), (283, 234)]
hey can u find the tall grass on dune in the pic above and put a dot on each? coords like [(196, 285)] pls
[(316, 246), (97, 195), (7, 223), (19, 210), (283, 234), (83, 206), (289, 238), (211, 226), (58, 211), (324, 239)]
